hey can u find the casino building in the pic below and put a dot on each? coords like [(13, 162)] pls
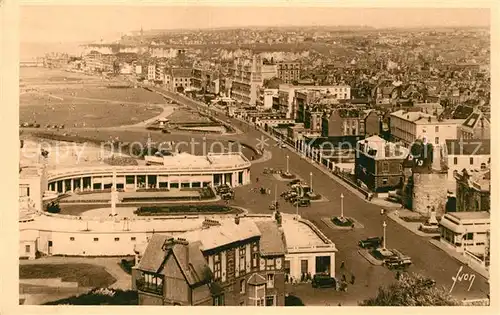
[(182, 170)]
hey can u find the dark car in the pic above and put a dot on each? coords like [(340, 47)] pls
[(371, 242), (323, 281)]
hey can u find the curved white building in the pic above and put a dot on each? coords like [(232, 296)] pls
[(182, 170)]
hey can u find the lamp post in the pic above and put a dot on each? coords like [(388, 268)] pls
[(311, 181), (383, 240), (342, 206), (287, 164)]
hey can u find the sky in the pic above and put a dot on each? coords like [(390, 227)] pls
[(77, 23)]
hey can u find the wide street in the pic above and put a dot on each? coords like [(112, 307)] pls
[(427, 259)]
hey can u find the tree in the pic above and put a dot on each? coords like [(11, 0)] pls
[(412, 290)]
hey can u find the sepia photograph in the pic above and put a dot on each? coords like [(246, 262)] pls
[(272, 155)]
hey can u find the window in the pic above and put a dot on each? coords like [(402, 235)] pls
[(385, 167), (96, 239), (304, 268), (242, 286), (436, 140), (117, 239), (270, 280), (72, 238), (219, 300), (287, 266), (255, 256), (133, 238), (471, 160), (483, 166), (385, 180), (27, 248), (270, 264), (242, 260), (270, 300), (436, 128), (217, 267), (469, 236), (151, 283), (455, 160), (480, 243)]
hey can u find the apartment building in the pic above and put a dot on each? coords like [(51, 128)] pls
[(178, 79), (471, 155), (349, 122), (232, 264), (246, 80), (288, 71), (151, 72), (406, 127), (379, 164), (294, 97)]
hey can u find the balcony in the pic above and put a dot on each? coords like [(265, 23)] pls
[(149, 287)]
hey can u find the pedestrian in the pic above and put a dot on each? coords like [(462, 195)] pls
[(352, 226), (344, 279), (353, 279), (382, 211), (398, 275), (342, 265), (257, 179)]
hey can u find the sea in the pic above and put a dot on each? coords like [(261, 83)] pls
[(31, 50)]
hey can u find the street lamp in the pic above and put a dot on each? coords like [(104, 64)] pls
[(287, 162), (342, 206), (383, 240), (311, 181)]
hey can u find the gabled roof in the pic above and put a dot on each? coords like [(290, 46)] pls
[(226, 234), (272, 241), (153, 256), (188, 255), (192, 263)]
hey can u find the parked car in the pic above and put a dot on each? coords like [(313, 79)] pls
[(323, 281), (302, 202), (294, 182), (398, 260), (371, 242)]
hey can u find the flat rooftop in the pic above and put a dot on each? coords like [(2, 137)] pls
[(470, 215), (298, 234)]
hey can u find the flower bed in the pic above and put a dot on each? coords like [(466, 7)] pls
[(338, 222), (101, 297), (182, 209), (414, 219)]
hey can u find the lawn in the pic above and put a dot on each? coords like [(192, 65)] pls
[(186, 116), (86, 275), (89, 107)]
